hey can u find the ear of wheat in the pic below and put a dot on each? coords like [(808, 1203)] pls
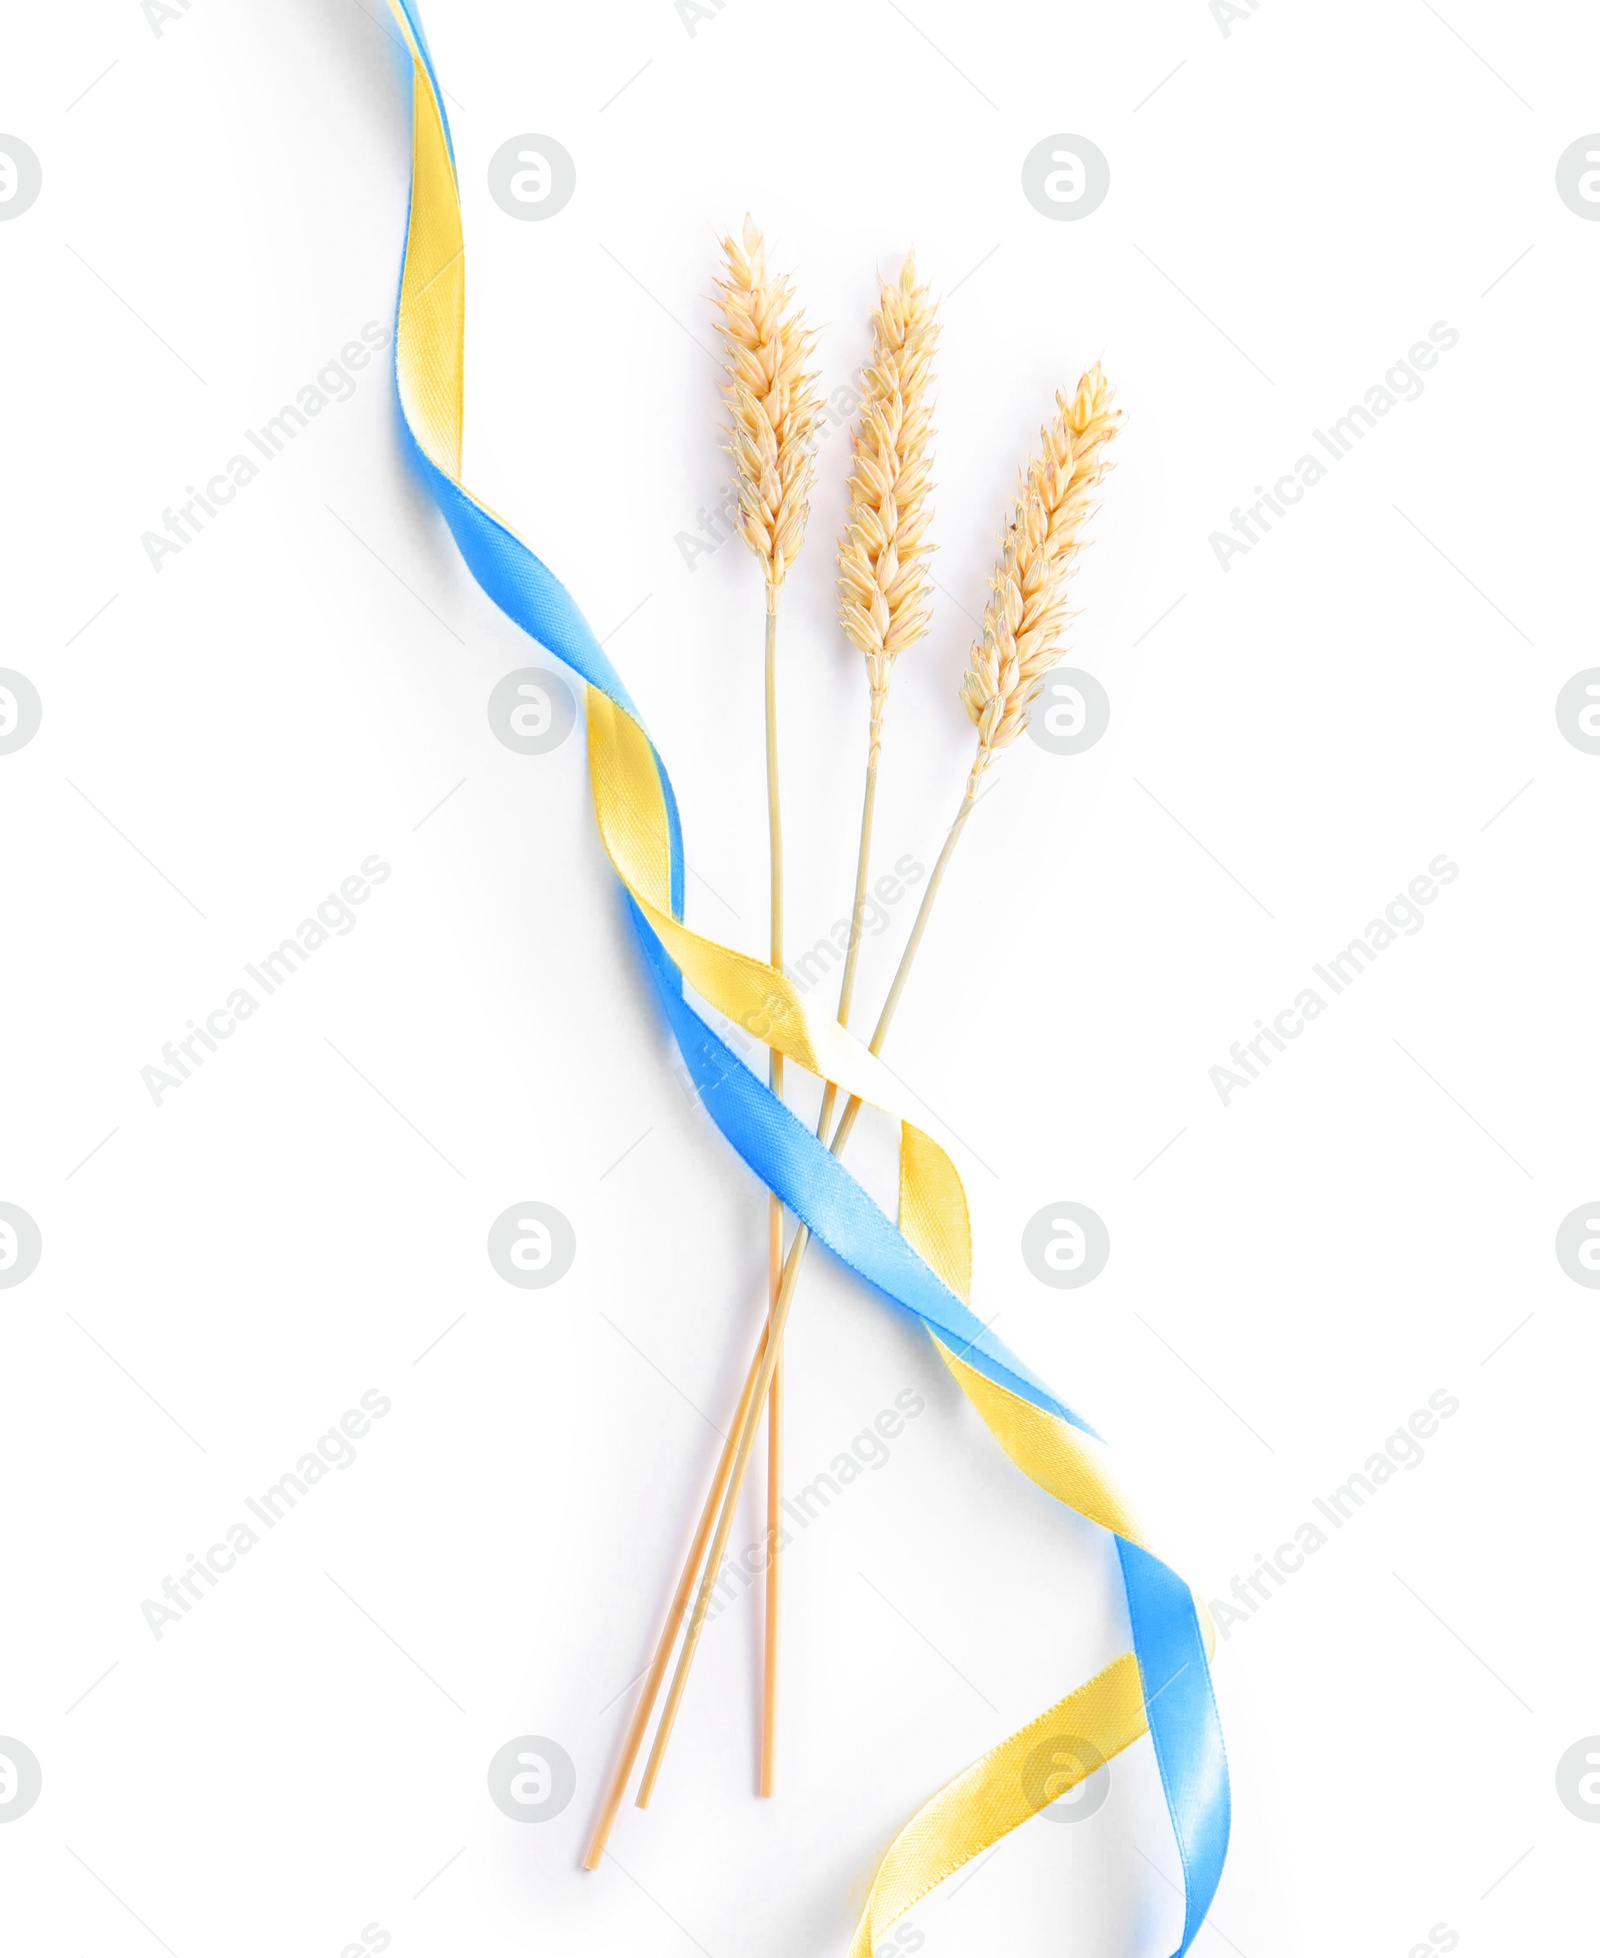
[(883, 555), (884, 586), (1027, 613), (773, 404)]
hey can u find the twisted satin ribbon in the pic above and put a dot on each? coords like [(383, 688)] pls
[(1163, 1685)]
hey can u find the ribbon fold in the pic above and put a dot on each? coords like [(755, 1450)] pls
[(923, 1267)]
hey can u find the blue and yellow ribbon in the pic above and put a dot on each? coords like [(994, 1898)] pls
[(924, 1267)]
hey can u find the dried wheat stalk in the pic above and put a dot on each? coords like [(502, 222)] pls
[(773, 404), (1027, 611), (773, 409), (884, 586)]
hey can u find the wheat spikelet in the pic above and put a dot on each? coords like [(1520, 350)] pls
[(1026, 614), (883, 555), (773, 404)]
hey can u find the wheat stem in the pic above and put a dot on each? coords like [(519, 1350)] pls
[(773, 1595), (852, 956)]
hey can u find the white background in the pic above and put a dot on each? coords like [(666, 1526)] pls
[(305, 1219)]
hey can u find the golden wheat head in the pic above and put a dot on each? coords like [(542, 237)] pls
[(1026, 616), (884, 585), (773, 404)]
